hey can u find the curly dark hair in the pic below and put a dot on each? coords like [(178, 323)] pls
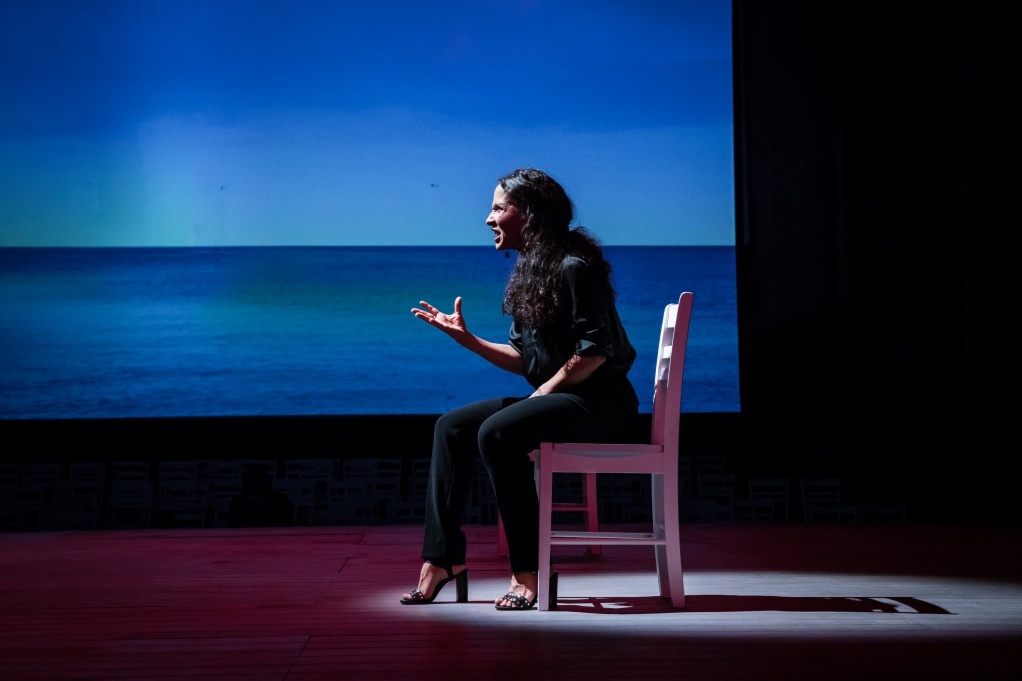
[(535, 291)]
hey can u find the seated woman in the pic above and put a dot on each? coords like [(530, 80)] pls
[(567, 341)]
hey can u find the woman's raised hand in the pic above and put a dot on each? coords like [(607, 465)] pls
[(502, 355), (451, 324)]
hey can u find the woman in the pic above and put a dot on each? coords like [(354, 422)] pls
[(567, 341)]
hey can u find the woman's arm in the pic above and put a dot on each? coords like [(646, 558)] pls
[(499, 354), (574, 371)]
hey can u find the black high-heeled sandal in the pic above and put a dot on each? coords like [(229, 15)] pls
[(520, 602), (461, 584)]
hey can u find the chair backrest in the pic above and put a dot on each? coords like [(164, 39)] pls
[(670, 370)]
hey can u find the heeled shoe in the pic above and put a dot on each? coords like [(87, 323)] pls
[(518, 602), (461, 584)]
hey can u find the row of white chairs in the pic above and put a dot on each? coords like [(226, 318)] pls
[(186, 493), (716, 498), (90, 495)]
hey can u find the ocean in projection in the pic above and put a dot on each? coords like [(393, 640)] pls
[(169, 332)]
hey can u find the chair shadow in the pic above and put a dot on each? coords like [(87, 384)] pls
[(645, 605)]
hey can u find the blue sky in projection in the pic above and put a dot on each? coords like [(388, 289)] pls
[(259, 122)]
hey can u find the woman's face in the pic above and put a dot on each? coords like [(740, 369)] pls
[(505, 222)]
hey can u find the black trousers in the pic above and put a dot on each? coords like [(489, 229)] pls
[(502, 431)]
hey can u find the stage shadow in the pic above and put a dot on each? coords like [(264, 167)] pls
[(725, 603)]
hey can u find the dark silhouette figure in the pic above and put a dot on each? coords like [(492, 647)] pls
[(258, 504)]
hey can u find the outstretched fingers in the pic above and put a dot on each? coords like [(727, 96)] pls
[(432, 315), (428, 314), (428, 307)]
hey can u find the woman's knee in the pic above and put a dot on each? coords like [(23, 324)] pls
[(459, 420), (489, 436), (447, 423), (501, 441), (458, 429), (522, 426)]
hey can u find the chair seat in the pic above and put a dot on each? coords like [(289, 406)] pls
[(579, 457)]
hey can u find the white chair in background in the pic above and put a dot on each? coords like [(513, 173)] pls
[(371, 485), (12, 515), (307, 484), (822, 501), (776, 491), (224, 477), (183, 494), (411, 508), (711, 464), (268, 465), (81, 498), (717, 490), (131, 494)]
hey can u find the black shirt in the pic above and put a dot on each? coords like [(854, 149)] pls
[(588, 326)]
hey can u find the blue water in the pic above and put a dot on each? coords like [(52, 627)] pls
[(133, 332)]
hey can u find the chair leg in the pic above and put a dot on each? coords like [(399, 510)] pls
[(668, 557), (545, 480), (592, 516)]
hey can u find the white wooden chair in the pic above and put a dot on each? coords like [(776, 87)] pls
[(659, 458)]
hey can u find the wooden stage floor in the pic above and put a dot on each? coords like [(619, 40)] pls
[(764, 602)]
